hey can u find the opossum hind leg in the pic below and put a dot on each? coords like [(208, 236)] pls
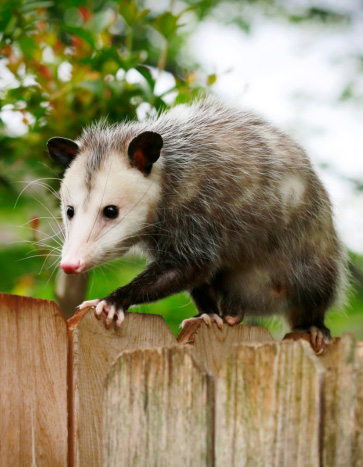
[(313, 324), (310, 297), (205, 301), (320, 336)]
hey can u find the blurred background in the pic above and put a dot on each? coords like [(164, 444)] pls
[(66, 64)]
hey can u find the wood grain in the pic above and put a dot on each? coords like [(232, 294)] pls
[(302, 335), (213, 345), (343, 397), (93, 349), (158, 410), (268, 406), (33, 375)]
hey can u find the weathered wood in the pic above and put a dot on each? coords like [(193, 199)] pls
[(213, 345), (274, 404), (343, 402), (33, 376), (158, 410), (92, 350), (268, 406), (303, 335)]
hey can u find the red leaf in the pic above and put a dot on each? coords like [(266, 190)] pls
[(85, 13)]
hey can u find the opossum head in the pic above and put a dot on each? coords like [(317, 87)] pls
[(107, 197)]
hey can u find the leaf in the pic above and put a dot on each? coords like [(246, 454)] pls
[(27, 45), (211, 79), (101, 21), (10, 27), (129, 13), (82, 33), (146, 73), (160, 104), (166, 24), (141, 15), (94, 87), (35, 5)]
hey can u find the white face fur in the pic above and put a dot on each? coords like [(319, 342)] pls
[(91, 236)]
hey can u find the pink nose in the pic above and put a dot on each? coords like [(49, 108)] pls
[(72, 265)]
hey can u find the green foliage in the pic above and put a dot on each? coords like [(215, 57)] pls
[(75, 61), (79, 57)]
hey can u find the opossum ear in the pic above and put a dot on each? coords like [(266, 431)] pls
[(144, 150), (62, 150)]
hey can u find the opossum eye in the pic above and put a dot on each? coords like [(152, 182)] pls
[(70, 212), (111, 212)]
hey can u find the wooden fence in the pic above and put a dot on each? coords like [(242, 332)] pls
[(80, 395)]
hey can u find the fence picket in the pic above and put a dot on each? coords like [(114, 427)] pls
[(158, 410), (93, 349), (343, 398), (268, 406), (135, 396), (33, 377)]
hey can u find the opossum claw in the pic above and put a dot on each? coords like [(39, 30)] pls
[(207, 318), (217, 319), (88, 304), (120, 318), (319, 341), (111, 310), (318, 338), (100, 309), (101, 306)]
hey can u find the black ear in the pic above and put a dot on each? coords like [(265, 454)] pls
[(62, 150), (144, 150)]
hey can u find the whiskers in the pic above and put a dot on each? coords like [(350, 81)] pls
[(39, 182), (46, 231), (46, 246)]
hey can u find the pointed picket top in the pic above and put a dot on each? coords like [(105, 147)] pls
[(213, 345), (93, 348)]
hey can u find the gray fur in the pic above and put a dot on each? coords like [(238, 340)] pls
[(240, 195)]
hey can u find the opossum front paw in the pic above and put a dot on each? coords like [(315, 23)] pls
[(208, 318), (111, 311)]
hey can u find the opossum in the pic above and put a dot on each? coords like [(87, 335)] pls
[(225, 205)]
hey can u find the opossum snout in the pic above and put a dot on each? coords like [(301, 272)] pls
[(72, 265)]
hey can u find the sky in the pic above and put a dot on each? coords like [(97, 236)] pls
[(294, 76)]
